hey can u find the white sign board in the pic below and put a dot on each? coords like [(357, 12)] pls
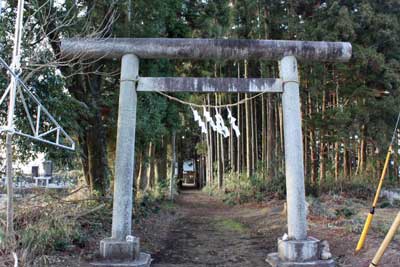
[(188, 166)]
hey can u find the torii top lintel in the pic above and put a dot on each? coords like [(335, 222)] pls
[(222, 49)]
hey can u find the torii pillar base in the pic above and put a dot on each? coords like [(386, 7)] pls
[(122, 254), (143, 261), (301, 253)]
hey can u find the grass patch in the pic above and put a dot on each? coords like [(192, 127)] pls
[(168, 205), (47, 223), (231, 225)]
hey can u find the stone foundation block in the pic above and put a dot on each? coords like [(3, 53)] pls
[(275, 261), (111, 249), (294, 250), (143, 260), (301, 253)]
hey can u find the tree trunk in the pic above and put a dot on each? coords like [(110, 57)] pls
[(239, 150), (351, 159), (345, 161), (362, 158), (208, 164), (396, 165), (199, 170), (337, 146), (313, 156), (150, 167), (336, 161), (173, 164), (221, 164), (322, 159), (143, 175), (322, 152), (239, 138), (210, 150), (264, 136), (222, 168), (162, 161), (281, 139), (253, 137), (248, 139), (358, 151), (232, 147), (143, 180), (97, 160), (140, 164), (218, 157), (85, 160), (248, 130), (94, 139), (305, 151), (275, 140), (270, 137)]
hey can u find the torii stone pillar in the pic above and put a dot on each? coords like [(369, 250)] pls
[(294, 167), (123, 249), (298, 249)]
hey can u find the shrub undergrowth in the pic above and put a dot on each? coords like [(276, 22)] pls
[(239, 188), (46, 222)]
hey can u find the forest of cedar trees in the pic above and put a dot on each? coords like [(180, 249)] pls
[(348, 110)]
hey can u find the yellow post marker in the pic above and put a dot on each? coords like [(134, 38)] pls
[(364, 232), (386, 241), (368, 222)]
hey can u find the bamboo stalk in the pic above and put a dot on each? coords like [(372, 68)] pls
[(368, 222), (389, 237)]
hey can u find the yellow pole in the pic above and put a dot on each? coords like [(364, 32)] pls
[(386, 241), (368, 222)]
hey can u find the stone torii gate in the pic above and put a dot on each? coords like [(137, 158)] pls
[(122, 249)]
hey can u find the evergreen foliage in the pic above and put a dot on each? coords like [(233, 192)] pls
[(348, 109)]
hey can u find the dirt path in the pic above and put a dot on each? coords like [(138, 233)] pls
[(199, 230), (210, 233)]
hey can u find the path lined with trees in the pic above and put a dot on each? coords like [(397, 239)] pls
[(348, 111), (209, 233)]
